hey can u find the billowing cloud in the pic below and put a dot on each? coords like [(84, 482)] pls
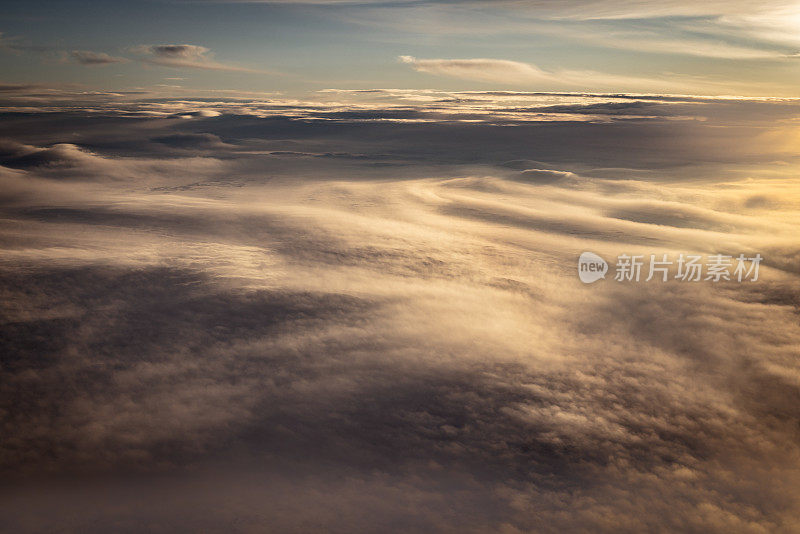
[(332, 316)]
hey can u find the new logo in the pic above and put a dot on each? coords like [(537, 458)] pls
[(591, 267)]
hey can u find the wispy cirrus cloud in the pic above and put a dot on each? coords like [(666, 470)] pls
[(577, 9), (184, 56), (481, 69), (506, 72), (734, 31)]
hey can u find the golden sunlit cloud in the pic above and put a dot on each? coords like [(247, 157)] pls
[(466, 267)]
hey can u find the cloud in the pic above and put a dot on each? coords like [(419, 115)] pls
[(488, 70), (18, 155), (547, 176), (736, 31), (268, 321), (505, 72), (637, 9), (184, 56), (709, 38), (16, 87), (575, 9), (85, 57), (191, 141)]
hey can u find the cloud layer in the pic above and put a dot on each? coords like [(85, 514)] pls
[(362, 314)]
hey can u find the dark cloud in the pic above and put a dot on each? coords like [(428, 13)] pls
[(184, 56), (191, 141), (15, 87), (86, 57)]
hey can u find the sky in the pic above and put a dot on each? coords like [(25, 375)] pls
[(714, 48), (271, 267)]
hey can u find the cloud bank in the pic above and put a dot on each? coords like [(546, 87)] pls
[(362, 313)]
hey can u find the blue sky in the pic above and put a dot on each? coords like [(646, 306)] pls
[(604, 45)]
